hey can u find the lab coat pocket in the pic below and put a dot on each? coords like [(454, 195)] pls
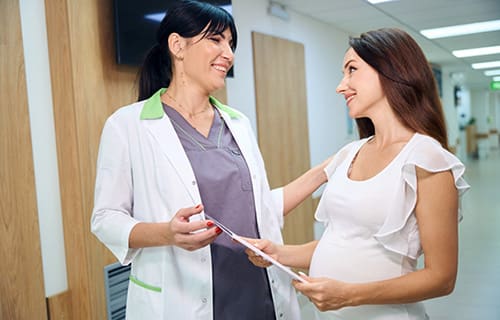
[(146, 292), (144, 299)]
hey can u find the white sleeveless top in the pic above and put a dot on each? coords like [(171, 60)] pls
[(371, 231)]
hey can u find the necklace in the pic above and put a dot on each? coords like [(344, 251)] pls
[(190, 114)]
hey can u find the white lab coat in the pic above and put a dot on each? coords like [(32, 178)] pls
[(144, 175)]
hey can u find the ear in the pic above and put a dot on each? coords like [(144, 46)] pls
[(176, 44)]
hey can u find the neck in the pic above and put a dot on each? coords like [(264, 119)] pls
[(188, 103)]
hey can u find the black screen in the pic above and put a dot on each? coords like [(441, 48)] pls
[(136, 23)]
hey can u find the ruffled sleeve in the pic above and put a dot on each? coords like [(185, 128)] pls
[(399, 233)]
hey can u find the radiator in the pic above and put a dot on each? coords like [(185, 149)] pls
[(116, 279)]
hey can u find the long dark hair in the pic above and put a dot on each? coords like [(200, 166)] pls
[(188, 19), (407, 80)]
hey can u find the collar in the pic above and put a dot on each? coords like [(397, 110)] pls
[(153, 108)]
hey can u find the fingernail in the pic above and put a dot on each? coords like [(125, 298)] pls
[(198, 206), (210, 223), (218, 230)]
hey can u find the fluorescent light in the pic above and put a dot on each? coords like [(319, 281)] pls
[(495, 72), (476, 52), (378, 1), (497, 78), (486, 65), (462, 29)]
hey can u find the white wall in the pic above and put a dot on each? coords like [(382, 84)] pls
[(36, 59)]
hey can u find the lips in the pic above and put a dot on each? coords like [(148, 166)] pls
[(221, 67), (349, 97)]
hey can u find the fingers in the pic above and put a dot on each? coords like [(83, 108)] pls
[(191, 233), (257, 260), (183, 223)]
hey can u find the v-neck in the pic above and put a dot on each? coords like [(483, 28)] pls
[(214, 134)]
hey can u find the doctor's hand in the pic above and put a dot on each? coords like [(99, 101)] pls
[(325, 293), (265, 246), (190, 235)]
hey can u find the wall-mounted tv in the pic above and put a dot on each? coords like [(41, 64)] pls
[(136, 23)]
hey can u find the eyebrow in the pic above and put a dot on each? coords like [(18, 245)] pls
[(347, 63)]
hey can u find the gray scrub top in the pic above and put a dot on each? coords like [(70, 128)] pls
[(240, 289)]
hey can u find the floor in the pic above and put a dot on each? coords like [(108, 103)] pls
[(477, 291)]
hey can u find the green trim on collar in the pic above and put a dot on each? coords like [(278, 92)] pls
[(233, 113), (143, 284), (153, 109)]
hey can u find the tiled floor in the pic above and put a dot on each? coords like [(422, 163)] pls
[(477, 291)]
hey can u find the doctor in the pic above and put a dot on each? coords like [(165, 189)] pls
[(176, 154)]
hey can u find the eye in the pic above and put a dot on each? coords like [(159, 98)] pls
[(215, 39), (351, 69)]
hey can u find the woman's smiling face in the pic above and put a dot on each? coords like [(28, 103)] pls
[(360, 86), (208, 58)]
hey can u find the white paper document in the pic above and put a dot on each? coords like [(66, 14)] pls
[(256, 250)]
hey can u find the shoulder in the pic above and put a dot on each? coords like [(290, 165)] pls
[(427, 153), (128, 112)]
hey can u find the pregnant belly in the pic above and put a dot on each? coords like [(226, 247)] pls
[(355, 260)]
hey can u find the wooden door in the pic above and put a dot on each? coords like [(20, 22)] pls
[(280, 92)]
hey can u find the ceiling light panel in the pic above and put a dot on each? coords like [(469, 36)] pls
[(486, 65), (462, 29), (476, 52), (492, 72)]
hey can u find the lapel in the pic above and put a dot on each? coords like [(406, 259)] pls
[(161, 129)]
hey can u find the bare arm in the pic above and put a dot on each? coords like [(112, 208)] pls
[(436, 211), (295, 256), (299, 189)]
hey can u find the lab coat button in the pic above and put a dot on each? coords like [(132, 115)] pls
[(203, 259), (193, 182), (281, 315), (204, 300)]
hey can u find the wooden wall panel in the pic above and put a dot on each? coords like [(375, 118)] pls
[(280, 93), (87, 86), (22, 294), (60, 306)]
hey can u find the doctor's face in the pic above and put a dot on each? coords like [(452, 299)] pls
[(207, 59)]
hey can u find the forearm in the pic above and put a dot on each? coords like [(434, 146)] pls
[(413, 287), (297, 256), (299, 189), (149, 235)]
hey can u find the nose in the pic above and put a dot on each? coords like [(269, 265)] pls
[(227, 52), (341, 87)]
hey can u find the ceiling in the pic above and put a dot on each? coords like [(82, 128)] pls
[(357, 16)]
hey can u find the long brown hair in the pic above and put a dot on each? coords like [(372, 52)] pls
[(407, 80)]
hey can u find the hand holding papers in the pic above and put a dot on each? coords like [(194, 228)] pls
[(256, 250)]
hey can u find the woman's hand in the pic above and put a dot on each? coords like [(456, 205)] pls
[(326, 294), (265, 246), (190, 235)]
